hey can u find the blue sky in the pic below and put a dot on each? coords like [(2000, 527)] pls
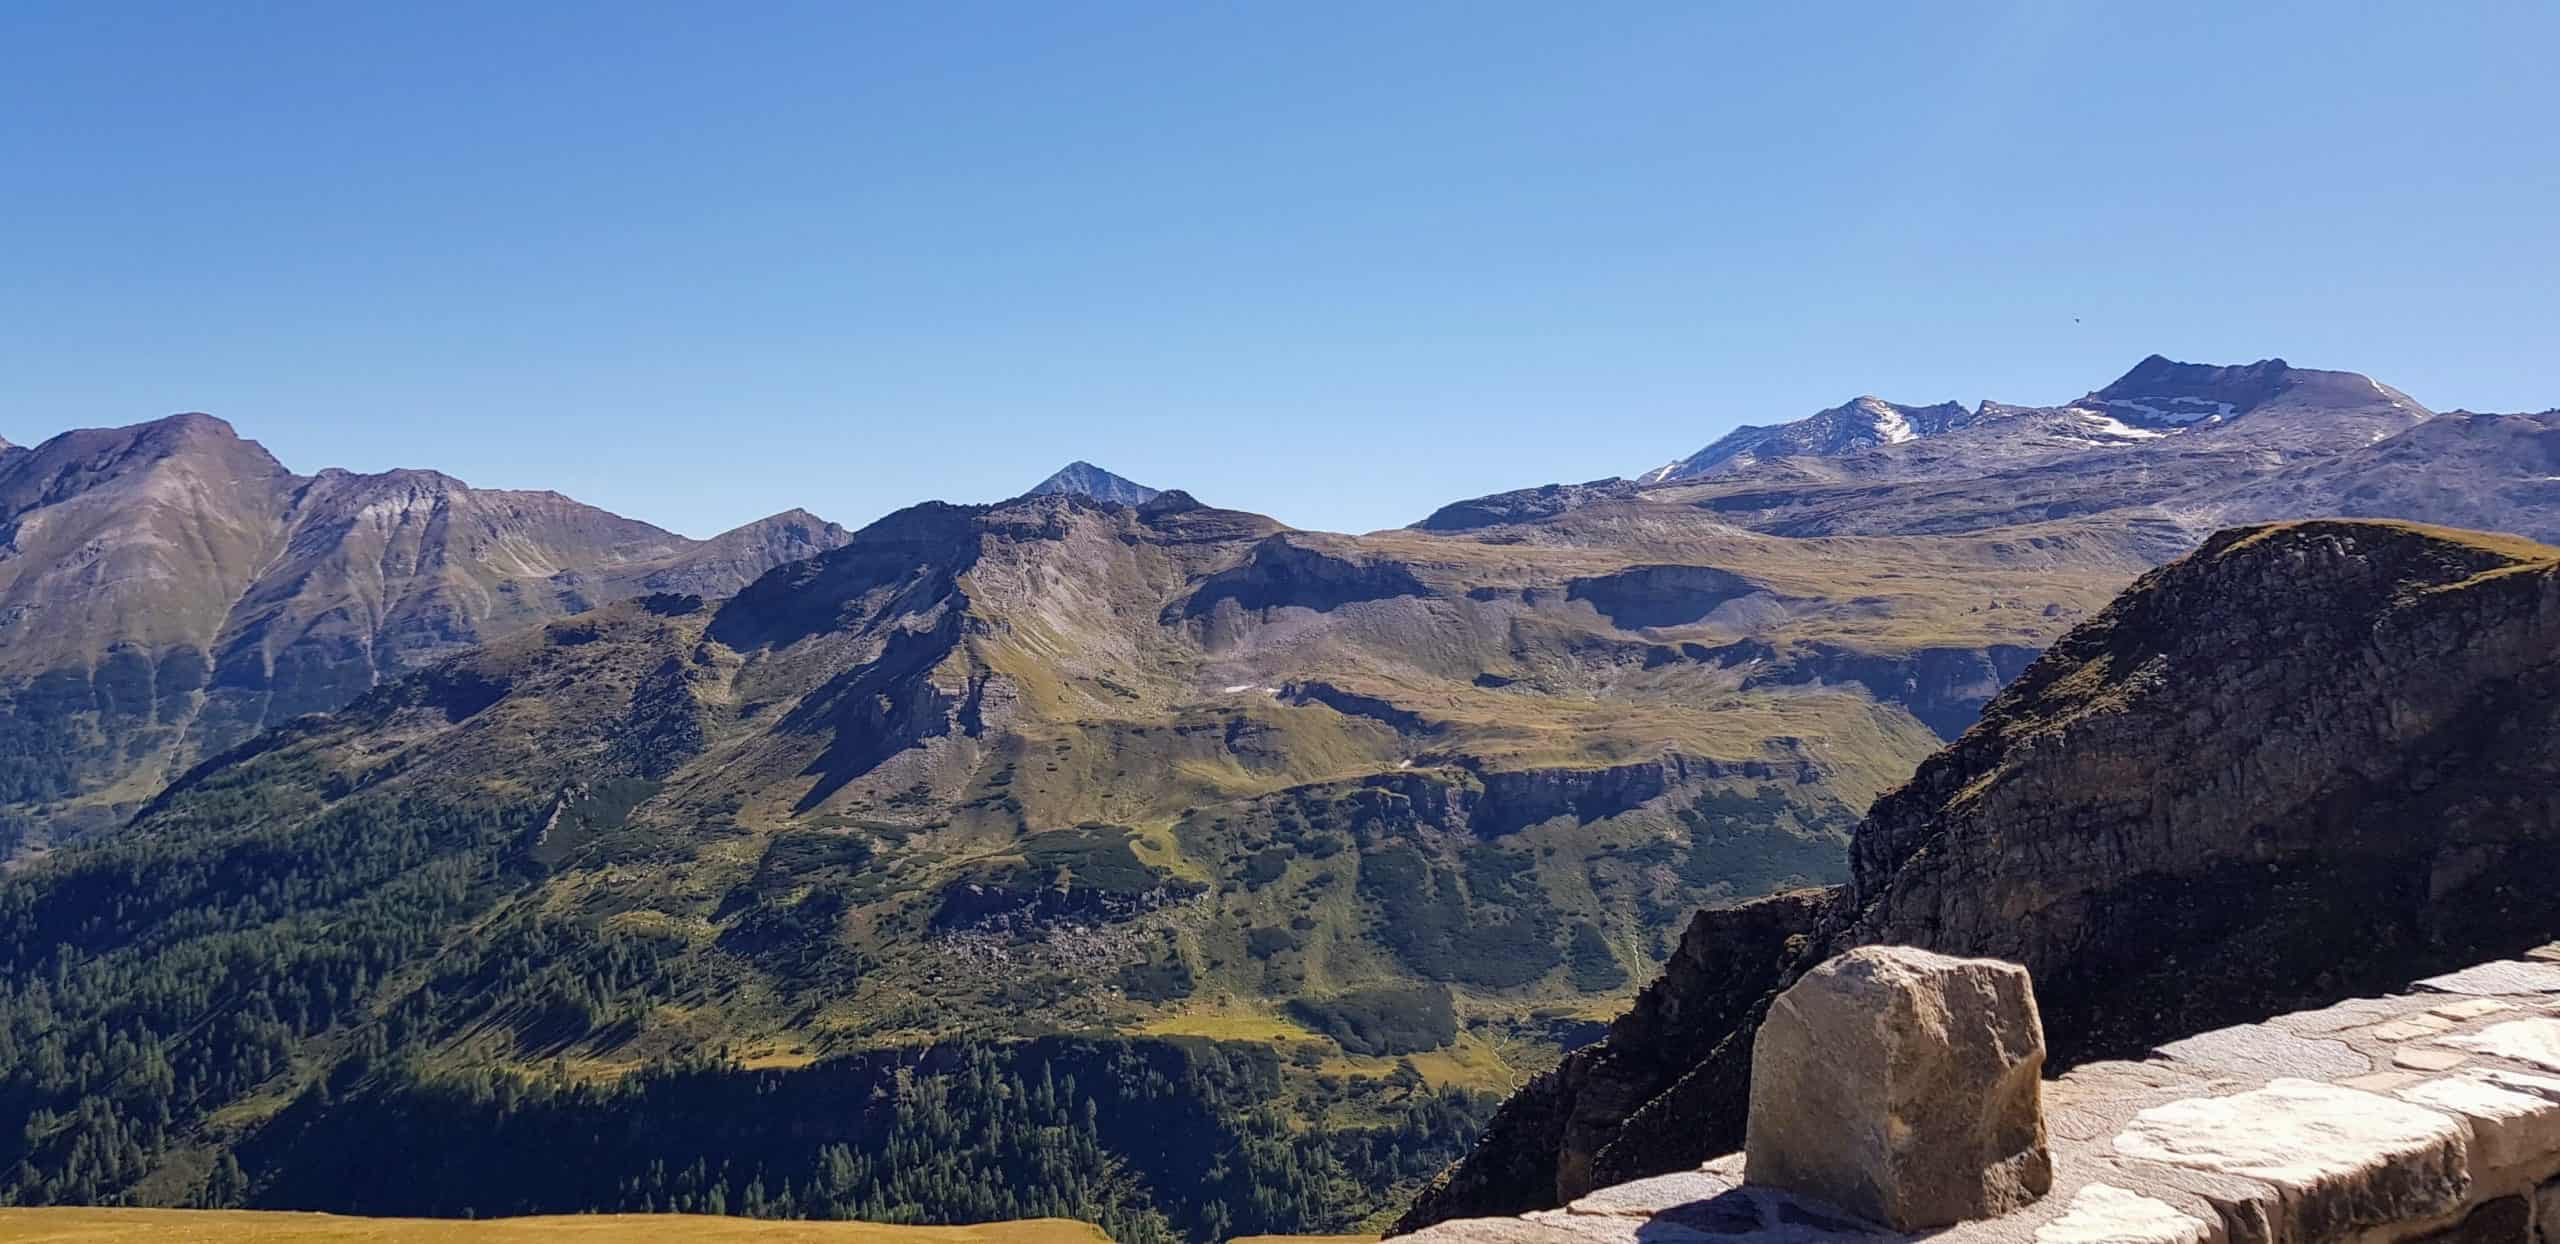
[(1335, 263)]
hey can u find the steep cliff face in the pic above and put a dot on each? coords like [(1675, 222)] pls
[(2306, 760)]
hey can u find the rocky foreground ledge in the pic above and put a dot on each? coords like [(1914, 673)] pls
[(2432, 1114)]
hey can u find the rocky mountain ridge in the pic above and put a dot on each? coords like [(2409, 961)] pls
[(2176, 450), (2158, 398), (2306, 760), (168, 589)]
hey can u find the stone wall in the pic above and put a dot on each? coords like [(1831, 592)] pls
[(2430, 1115)]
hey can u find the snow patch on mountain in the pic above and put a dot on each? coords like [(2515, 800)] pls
[(2178, 409)]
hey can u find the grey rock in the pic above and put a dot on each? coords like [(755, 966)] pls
[(2245, 1048), (2497, 978)]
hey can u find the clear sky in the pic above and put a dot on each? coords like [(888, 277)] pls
[(1336, 263)]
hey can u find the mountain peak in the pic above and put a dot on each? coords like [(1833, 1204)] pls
[(195, 421), (1084, 479), (1859, 424), (2161, 392)]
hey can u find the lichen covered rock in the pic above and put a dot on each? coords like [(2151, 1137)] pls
[(1904, 1087)]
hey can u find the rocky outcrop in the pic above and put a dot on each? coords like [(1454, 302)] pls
[(1354, 704), (1516, 799), (1526, 505), (1639, 597), (1944, 687), (2305, 760), (1283, 573)]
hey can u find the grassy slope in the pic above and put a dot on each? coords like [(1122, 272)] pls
[(1121, 718), (1109, 703), (94, 1226)]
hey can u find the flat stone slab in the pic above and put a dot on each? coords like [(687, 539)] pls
[(1557, 1228), (1543, 1229), (2428, 1059), (2535, 1041), (1658, 1194), (2096, 1100), (2106, 1214), (2352, 1013), (2503, 977), (2412, 1028), (2343, 1159), (2509, 1127), (2252, 1049)]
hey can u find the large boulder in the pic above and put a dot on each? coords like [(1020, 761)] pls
[(1904, 1087)]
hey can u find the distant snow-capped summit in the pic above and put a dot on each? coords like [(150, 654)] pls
[(2286, 406), (1851, 427)]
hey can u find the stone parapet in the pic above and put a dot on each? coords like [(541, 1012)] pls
[(2430, 1115)]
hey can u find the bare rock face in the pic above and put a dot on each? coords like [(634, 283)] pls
[(1903, 1086)]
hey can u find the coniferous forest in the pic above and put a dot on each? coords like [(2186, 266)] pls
[(245, 1009)]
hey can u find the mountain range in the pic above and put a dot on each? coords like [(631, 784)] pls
[(169, 589), (1413, 807), (2310, 410)]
